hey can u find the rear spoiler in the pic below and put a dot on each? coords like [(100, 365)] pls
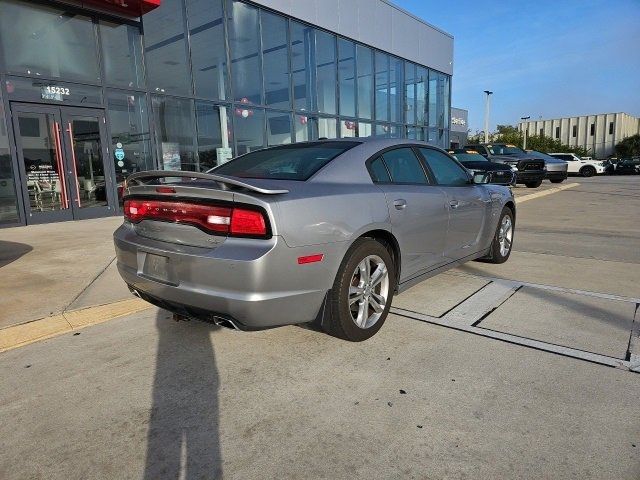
[(204, 176)]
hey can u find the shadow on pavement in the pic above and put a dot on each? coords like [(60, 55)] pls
[(183, 440), (12, 251)]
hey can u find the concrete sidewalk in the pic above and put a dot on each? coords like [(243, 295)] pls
[(46, 270)]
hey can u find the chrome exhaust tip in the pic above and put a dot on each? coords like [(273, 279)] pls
[(225, 323), (134, 291)]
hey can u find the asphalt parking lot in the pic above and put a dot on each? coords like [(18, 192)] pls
[(519, 370)]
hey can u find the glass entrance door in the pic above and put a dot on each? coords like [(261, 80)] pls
[(62, 154)]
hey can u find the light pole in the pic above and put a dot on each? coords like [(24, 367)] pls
[(486, 116), (525, 127)]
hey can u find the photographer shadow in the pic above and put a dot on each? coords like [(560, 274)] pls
[(183, 439)]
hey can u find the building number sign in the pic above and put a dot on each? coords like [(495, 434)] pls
[(53, 92)]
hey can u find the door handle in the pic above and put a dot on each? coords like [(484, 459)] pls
[(454, 204), (400, 204), (73, 163)]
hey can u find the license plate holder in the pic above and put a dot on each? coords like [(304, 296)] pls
[(158, 268)]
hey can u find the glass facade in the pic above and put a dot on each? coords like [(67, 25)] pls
[(195, 82)]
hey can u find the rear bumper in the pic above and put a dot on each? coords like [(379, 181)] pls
[(255, 283), (557, 175)]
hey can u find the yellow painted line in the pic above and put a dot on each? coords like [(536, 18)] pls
[(544, 193), (26, 333)]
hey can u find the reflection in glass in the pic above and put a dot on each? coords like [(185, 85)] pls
[(248, 128), (396, 82), (278, 128), (433, 98), (365, 129), (326, 72), (43, 162), (410, 92), (347, 77), (421, 95), (214, 135), (302, 66), (275, 52), (175, 131), (365, 82), (8, 199), (130, 138), (166, 49), (348, 128), (314, 128), (244, 45), (122, 54), (46, 41), (208, 48), (382, 86), (89, 166), (327, 128)]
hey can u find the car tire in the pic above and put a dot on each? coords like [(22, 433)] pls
[(557, 180), (358, 320), (497, 253), (587, 171), (535, 184)]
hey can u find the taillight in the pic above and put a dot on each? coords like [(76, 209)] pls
[(210, 218), (247, 222)]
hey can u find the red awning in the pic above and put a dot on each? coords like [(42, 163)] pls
[(133, 8)]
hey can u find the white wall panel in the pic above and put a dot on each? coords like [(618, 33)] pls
[(376, 23)]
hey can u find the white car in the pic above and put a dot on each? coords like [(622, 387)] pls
[(580, 166)]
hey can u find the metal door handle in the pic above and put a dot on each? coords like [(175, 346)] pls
[(454, 204), (58, 145), (400, 204), (73, 163)]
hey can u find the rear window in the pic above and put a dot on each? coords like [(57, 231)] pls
[(287, 162)]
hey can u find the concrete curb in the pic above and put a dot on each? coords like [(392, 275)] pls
[(19, 335)]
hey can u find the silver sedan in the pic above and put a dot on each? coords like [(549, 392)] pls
[(323, 232)]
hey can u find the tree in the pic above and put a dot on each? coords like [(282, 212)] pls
[(511, 135), (629, 147)]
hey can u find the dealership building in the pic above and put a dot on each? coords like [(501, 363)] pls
[(459, 129), (598, 134), (94, 90)]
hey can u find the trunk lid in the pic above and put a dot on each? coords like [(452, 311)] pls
[(168, 192)]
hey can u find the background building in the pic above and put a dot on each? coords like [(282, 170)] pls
[(459, 131), (598, 134), (94, 90)]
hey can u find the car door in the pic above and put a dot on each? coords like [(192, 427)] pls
[(469, 205), (417, 209), (573, 165)]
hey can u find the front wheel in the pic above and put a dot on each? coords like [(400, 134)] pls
[(588, 171), (503, 238), (361, 295), (535, 184), (558, 180)]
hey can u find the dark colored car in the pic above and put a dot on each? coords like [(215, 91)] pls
[(501, 174), (531, 171), (628, 166)]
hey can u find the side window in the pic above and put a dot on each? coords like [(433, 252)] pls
[(378, 171), (446, 171), (404, 166)]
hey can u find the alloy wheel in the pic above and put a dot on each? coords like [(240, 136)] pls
[(505, 235), (368, 291)]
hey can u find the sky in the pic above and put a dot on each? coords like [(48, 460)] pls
[(541, 58)]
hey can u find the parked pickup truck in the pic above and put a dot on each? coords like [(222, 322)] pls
[(529, 170)]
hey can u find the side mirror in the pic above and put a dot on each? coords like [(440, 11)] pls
[(481, 177)]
